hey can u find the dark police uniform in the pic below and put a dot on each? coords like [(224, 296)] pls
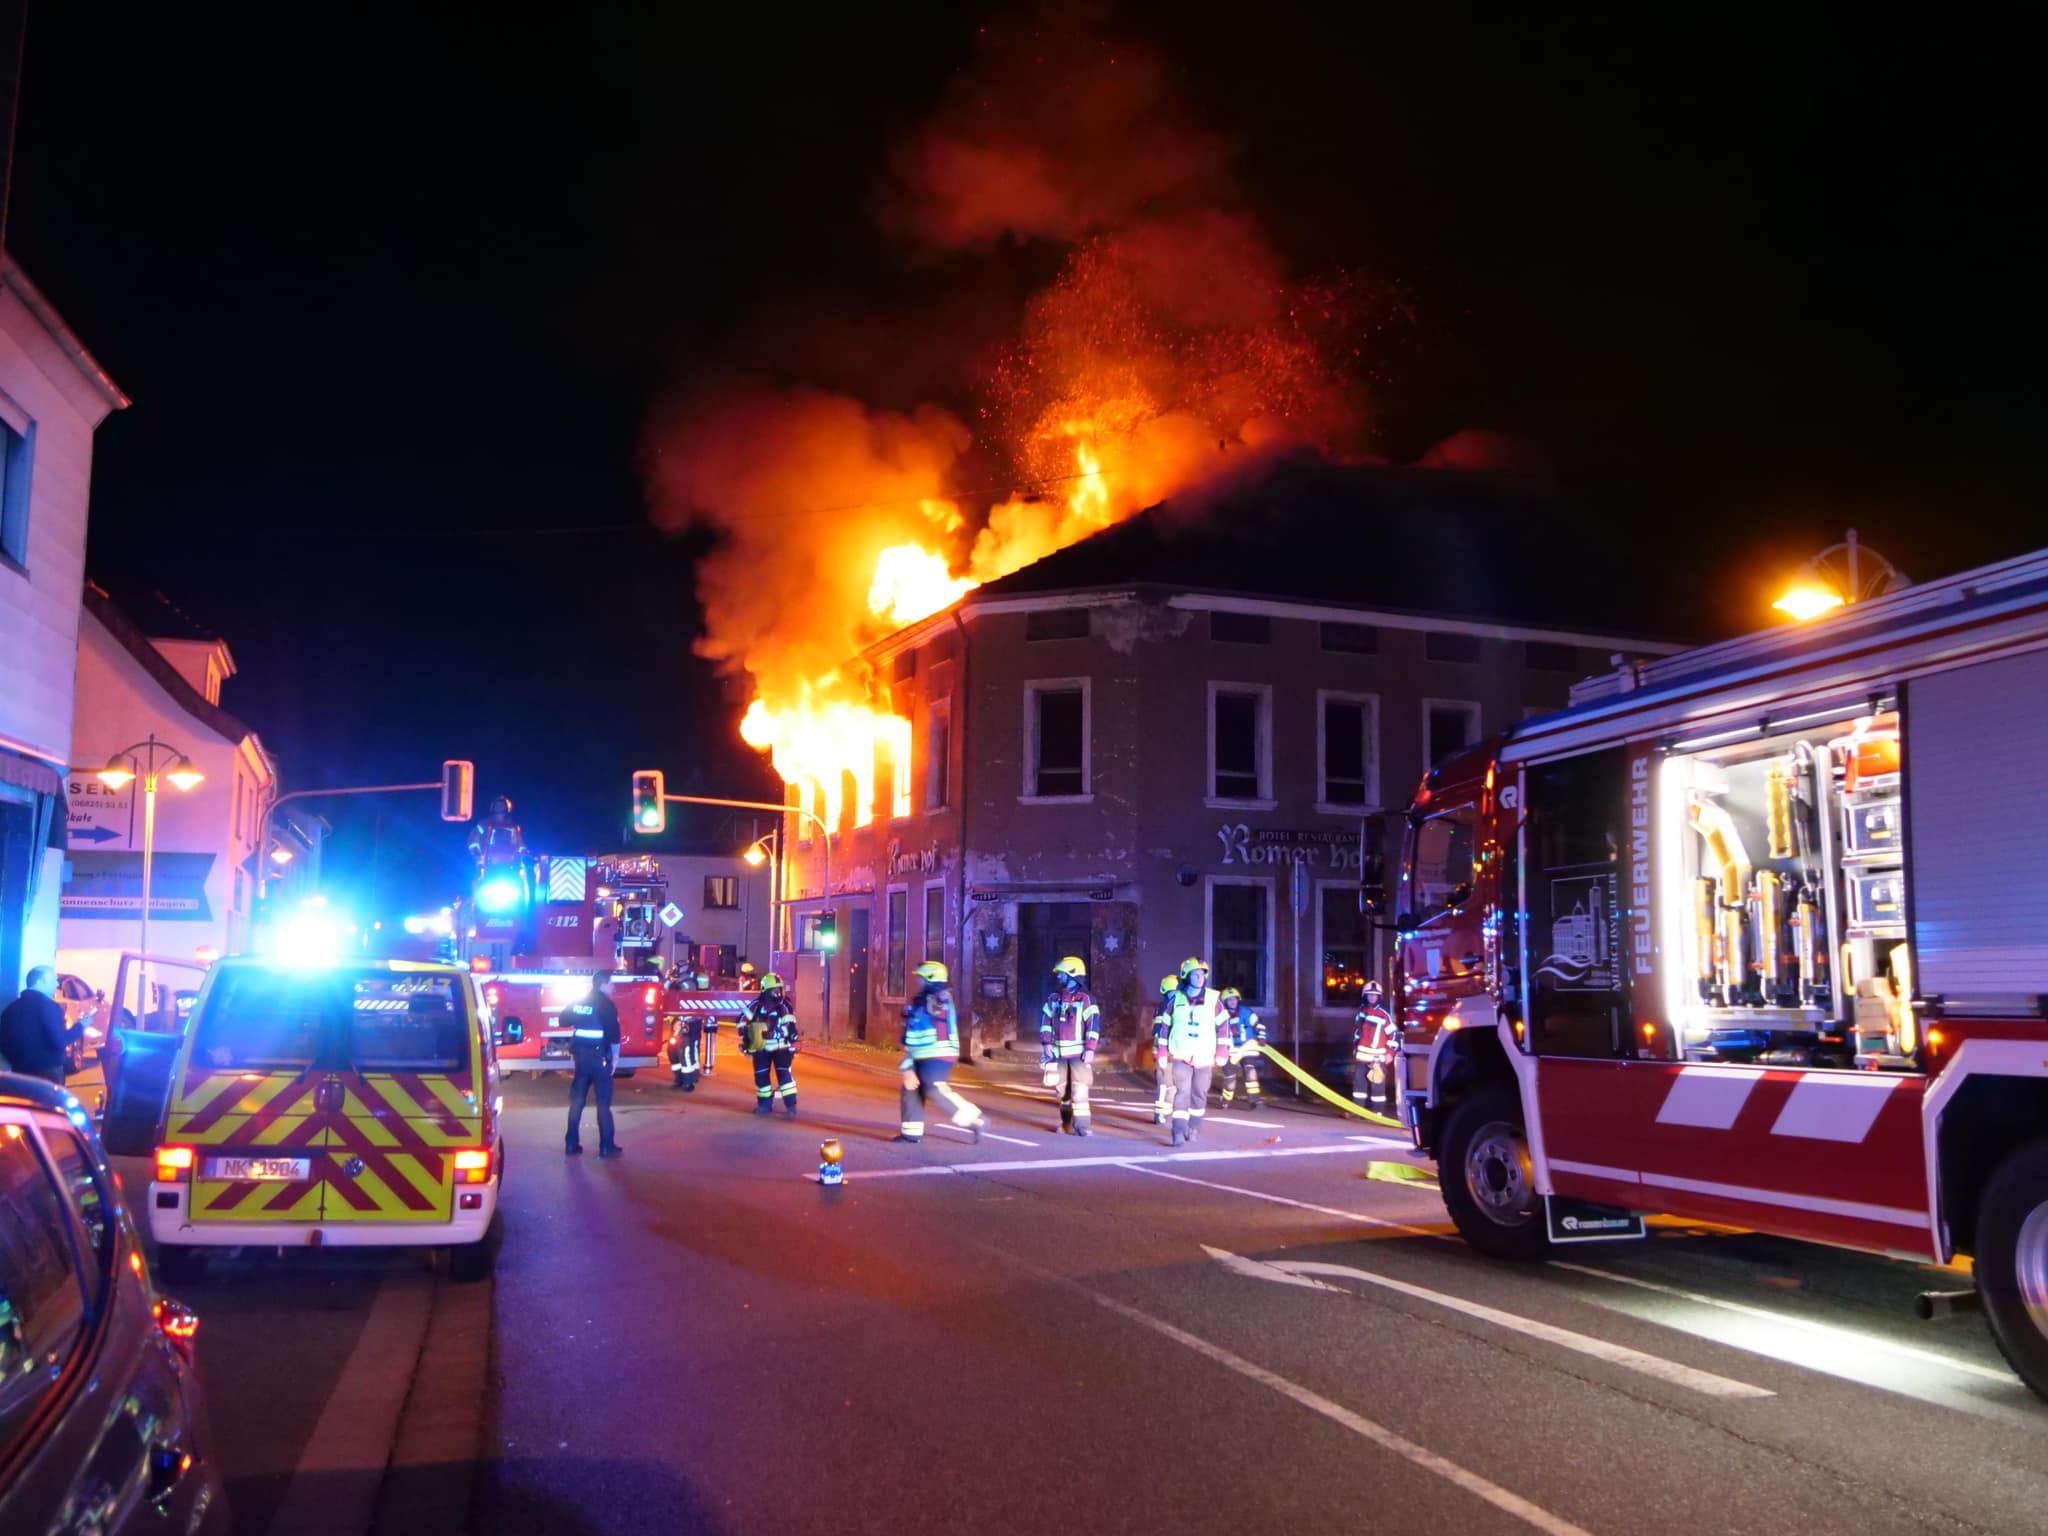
[(594, 1020), (34, 1035)]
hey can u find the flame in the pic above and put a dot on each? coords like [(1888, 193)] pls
[(818, 743), (912, 583)]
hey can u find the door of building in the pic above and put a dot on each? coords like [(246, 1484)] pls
[(857, 977), (1046, 932)]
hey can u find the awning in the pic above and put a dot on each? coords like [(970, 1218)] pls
[(30, 774)]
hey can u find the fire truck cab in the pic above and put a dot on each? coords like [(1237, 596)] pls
[(1755, 934)]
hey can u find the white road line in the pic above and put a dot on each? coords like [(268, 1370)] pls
[(1299, 1205), (1378, 1434), (1849, 1340), (1015, 1141), (1706, 1383), (1056, 1164)]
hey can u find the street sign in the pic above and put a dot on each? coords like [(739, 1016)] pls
[(671, 915), (98, 815)]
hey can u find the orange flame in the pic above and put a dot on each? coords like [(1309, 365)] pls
[(912, 583)]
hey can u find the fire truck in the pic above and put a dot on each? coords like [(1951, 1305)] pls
[(1755, 934)]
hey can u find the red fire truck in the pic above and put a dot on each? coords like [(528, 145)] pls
[(1756, 934), (525, 1008)]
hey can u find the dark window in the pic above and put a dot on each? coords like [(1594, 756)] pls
[(721, 893), (81, 1176), (1347, 947), (1579, 901), (935, 922), (42, 1306), (1061, 767), (1440, 861), (1451, 728), (1548, 656), (898, 943), (16, 452), (1347, 751), (1351, 639), (408, 1024), (258, 1019), (1241, 628), (906, 664), (940, 650), (1237, 918), (938, 767), (1056, 624), (1442, 645), (1237, 746)]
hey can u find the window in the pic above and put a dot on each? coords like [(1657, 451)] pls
[(1241, 628), (1346, 945), (906, 665), (1350, 749), (1240, 756), (238, 805), (807, 926), (17, 450), (40, 1294), (721, 893), (938, 764), (1448, 725), (1240, 931), (1056, 729), (935, 922), (1056, 624), (1577, 897), (1351, 639), (898, 935), (78, 1173), (897, 745), (1444, 645), (400, 1023), (1548, 656), (1440, 861)]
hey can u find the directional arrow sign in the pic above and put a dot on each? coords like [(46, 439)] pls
[(96, 835)]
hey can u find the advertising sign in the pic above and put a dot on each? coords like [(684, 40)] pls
[(108, 887), (98, 815)]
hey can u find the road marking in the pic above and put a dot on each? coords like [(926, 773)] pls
[(1847, 1339), (1388, 1141), (1299, 1205), (1378, 1434), (1055, 1164), (1015, 1141), (1706, 1383)]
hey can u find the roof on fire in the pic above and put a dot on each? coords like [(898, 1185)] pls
[(1418, 541)]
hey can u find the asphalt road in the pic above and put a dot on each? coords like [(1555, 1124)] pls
[(1268, 1332)]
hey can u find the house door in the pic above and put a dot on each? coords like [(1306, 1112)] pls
[(857, 977), (1047, 931)]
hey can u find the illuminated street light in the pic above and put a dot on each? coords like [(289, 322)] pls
[(281, 856), (139, 761), (754, 855), (1841, 574), (184, 775), (1807, 602)]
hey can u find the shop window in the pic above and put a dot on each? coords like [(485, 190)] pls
[(1240, 928), (1345, 942), (1448, 726), (1350, 750), (1239, 750), (1056, 731), (897, 943)]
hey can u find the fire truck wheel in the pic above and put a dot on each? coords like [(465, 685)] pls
[(1488, 1183), (2012, 1261)]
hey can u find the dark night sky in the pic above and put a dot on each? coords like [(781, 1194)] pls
[(394, 296)]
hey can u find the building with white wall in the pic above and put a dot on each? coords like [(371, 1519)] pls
[(52, 397)]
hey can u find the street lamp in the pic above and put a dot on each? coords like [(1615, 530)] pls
[(123, 769), (1848, 572), (767, 849)]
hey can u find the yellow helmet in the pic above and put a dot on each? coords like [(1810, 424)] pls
[(1168, 983), (932, 974), (1190, 965), (772, 982), (1231, 995), (1073, 966)]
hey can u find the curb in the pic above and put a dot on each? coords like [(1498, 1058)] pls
[(429, 1486)]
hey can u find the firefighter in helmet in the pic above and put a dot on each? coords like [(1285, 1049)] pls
[(1162, 1063), (1241, 1035), (1194, 1030), (1069, 1030), (931, 1044), (768, 1029), (1374, 1046)]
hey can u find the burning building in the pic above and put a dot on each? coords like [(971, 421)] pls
[(1183, 735)]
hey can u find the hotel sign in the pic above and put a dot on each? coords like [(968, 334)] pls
[(1335, 849)]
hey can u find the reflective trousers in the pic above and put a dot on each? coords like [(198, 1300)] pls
[(1190, 1097), (1162, 1072), (1365, 1090), (1242, 1071), (1075, 1078), (775, 1078), (921, 1080), (594, 1077)]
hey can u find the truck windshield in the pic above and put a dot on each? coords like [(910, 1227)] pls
[(1440, 860)]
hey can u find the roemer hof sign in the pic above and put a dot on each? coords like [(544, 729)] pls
[(1331, 848)]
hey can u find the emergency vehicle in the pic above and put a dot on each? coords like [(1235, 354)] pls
[(1756, 934), (525, 1011)]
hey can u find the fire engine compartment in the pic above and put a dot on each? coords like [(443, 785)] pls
[(1783, 898)]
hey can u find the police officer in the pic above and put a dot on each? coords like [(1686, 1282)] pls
[(1162, 1064), (1241, 1035), (1193, 1036), (1373, 1045), (593, 1020), (768, 1033), (931, 1042), (1069, 1030)]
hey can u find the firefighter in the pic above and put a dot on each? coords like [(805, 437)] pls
[(686, 1038), (748, 983), (1162, 1063), (1193, 1039), (1373, 1045), (768, 1033), (1241, 1034), (1069, 1030), (593, 1021), (931, 1042)]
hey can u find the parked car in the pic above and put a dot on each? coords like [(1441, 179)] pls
[(102, 1421)]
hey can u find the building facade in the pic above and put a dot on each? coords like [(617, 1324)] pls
[(1138, 772), (52, 398)]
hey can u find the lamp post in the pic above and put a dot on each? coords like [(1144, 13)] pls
[(123, 768), (768, 849), (1848, 572)]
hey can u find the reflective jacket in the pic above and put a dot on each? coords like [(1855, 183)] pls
[(593, 1022), (769, 1024), (1243, 1030), (1070, 1024), (1195, 1028), (1374, 1040), (1162, 1017), (931, 1027)]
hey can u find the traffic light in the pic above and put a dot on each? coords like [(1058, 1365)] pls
[(458, 789), (828, 934), (650, 815)]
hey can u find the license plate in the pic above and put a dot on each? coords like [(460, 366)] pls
[(274, 1169)]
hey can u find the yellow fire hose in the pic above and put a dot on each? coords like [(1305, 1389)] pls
[(1325, 1092)]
